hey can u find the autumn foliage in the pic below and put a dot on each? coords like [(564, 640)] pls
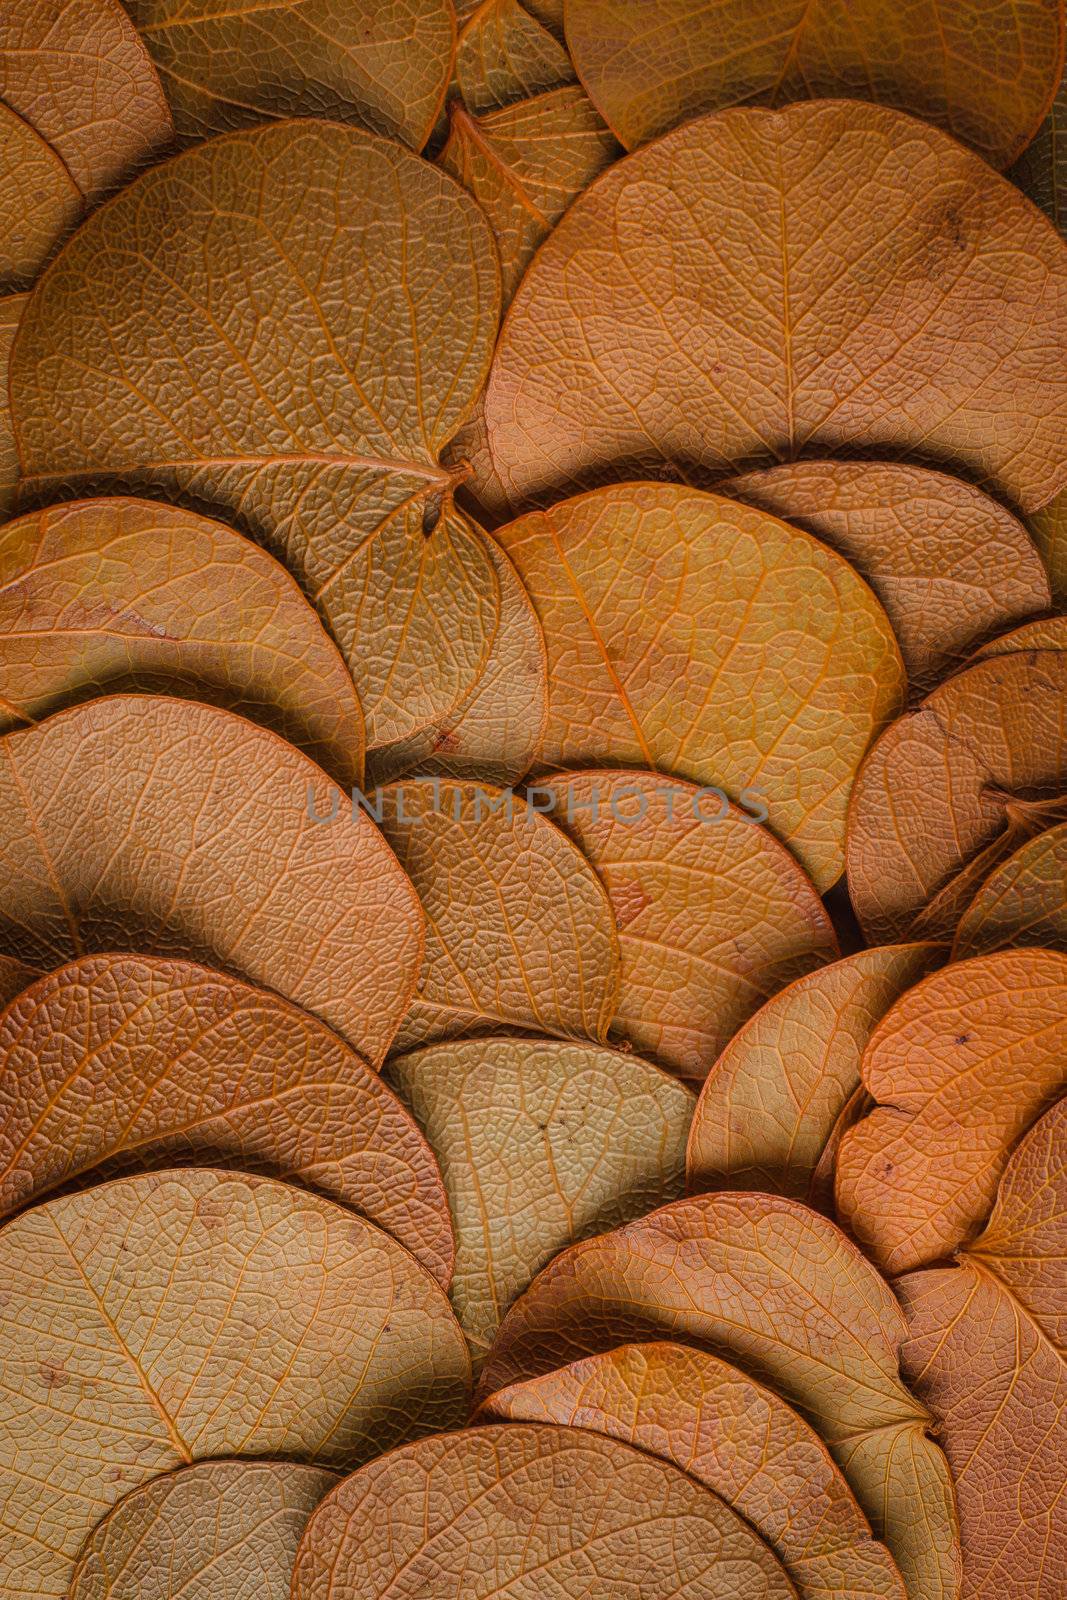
[(533, 800)]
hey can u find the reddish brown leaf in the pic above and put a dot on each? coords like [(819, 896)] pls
[(735, 1437), (122, 1063), (960, 1066), (11, 309), (107, 595), (831, 278), (183, 829), (775, 1100), (949, 564), (986, 1351), (1047, 633), (713, 914), (495, 1512), (778, 1290), (952, 788), (1049, 528)]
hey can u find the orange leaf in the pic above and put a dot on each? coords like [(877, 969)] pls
[(960, 1066), (1022, 902), (11, 309)]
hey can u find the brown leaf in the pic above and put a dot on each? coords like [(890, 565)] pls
[(713, 914), (984, 72), (1041, 172), (77, 71), (1049, 528), (1046, 633), (949, 564), (107, 595), (694, 636), (540, 1144), (505, 55), (832, 278), (776, 1097), (494, 1512), (496, 731), (14, 976), (220, 1528), (170, 1318), (269, 402), (986, 1350), (39, 202), (519, 929), (11, 309), (226, 65), (780, 1292), (960, 1066), (952, 788), (122, 1063), (182, 829), (735, 1437), (1022, 902)]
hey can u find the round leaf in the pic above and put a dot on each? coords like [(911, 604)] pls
[(39, 202), (496, 731), (323, 343), (170, 1318), (960, 1066), (774, 1102), (713, 914), (78, 72), (1022, 902), (496, 1512), (504, 54), (1049, 528), (218, 1528), (949, 564), (382, 63), (121, 594), (182, 829), (1047, 633), (519, 929), (779, 1291), (946, 793), (116, 1063), (540, 1144), (984, 72), (695, 636), (833, 278), (11, 308), (735, 1437), (986, 1350)]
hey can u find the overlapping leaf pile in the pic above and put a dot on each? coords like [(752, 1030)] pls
[(533, 800)]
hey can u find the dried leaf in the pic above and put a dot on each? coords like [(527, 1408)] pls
[(775, 1099), (1049, 528), (170, 1318), (987, 1352), (312, 371), (691, 635), (220, 1528), (1047, 633), (496, 732), (39, 203), (713, 914), (1022, 902), (832, 278), (505, 55), (524, 165), (78, 72), (107, 595), (184, 830), (123, 1063), (494, 1512), (519, 929), (949, 564), (778, 1290), (952, 788), (960, 1066), (984, 72), (14, 976), (735, 1437), (11, 309), (227, 65), (540, 1144), (1041, 172)]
